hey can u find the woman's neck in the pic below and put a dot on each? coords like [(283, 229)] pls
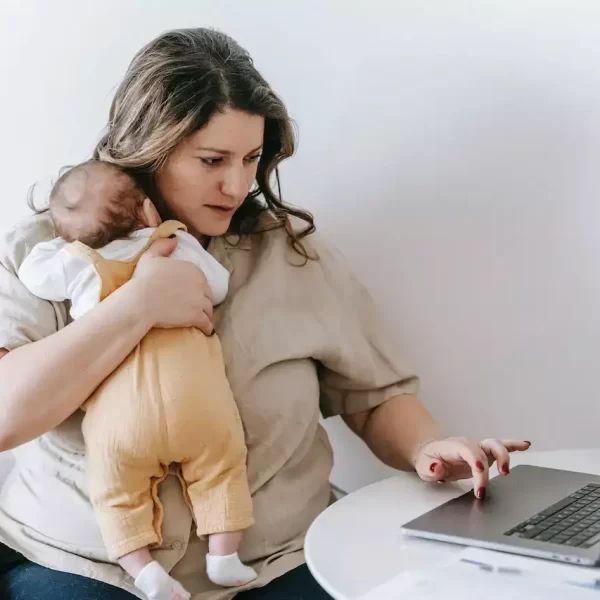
[(203, 239)]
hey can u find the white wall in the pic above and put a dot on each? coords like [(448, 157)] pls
[(451, 149)]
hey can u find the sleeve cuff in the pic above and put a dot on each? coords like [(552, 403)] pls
[(13, 342), (348, 402)]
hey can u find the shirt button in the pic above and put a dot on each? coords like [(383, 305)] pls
[(176, 545)]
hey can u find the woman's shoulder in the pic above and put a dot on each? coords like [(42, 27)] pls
[(18, 241)]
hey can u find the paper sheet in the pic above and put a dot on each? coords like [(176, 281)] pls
[(465, 582)]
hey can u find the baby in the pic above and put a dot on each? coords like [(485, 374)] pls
[(168, 402)]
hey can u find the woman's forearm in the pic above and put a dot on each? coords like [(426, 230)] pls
[(395, 429), (41, 384)]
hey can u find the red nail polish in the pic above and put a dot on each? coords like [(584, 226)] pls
[(527, 442), (479, 466), (433, 467), (481, 493), (505, 469)]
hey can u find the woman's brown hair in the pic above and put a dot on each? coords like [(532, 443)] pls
[(173, 86)]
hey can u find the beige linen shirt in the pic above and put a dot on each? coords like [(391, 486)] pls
[(298, 341)]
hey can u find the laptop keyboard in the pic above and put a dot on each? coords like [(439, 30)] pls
[(573, 521)]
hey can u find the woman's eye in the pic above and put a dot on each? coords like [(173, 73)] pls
[(254, 158), (211, 162)]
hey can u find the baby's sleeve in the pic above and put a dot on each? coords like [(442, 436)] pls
[(216, 274), (43, 273)]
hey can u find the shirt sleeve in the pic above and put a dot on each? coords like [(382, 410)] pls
[(43, 273), (216, 274), (359, 367), (24, 317)]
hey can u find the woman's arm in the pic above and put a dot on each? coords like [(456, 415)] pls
[(43, 383), (46, 381), (362, 379), (395, 429)]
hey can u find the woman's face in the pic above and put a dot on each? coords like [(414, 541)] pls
[(209, 174)]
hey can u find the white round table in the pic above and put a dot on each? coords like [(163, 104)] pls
[(356, 544)]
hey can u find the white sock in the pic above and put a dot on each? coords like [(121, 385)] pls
[(228, 571), (156, 583)]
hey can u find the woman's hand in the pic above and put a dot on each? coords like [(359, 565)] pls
[(457, 458), (172, 293)]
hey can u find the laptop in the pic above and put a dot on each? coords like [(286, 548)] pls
[(545, 513)]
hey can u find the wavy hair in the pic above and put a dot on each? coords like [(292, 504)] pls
[(172, 88)]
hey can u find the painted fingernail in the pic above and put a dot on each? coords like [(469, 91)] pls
[(433, 467), (481, 493), (528, 442), (505, 469), (213, 332), (479, 466)]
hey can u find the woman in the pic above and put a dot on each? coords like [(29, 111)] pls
[(203, 132)]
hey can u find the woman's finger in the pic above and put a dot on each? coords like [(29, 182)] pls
[(205, 318), (475, 457), (446, 471), (204, 324), (426, 464), (207, 307), (499, 452), (433, 470), (163, 247), (516, 445)]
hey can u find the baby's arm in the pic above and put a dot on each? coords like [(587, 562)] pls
[(188, 248), (52, 273), (42, 271)]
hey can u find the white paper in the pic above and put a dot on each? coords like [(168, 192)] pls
[(466, 582)]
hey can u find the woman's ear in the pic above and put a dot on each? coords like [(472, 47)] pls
[(148, 214)]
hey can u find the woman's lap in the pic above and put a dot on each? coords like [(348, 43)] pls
[(27, 581), (24, 580), (298, 584)]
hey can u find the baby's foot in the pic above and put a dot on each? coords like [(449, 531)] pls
[(228, 571), (156, 583)]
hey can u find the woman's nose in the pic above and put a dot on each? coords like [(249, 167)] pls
[(235, 184)]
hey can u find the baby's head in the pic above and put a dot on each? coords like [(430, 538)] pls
[(97, 202)]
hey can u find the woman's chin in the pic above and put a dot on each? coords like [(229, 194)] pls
[(215, 229)]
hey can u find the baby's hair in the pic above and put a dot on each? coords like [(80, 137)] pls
[(119, 217)]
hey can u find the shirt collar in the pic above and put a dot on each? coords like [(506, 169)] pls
[(223, 248)]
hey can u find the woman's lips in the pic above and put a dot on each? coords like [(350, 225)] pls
[(224, 211)]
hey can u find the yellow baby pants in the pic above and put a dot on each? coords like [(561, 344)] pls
[(168, 402)]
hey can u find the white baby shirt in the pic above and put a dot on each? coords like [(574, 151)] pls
[(52, 273)]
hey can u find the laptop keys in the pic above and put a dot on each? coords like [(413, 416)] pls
[(573, 521), (591, 541)]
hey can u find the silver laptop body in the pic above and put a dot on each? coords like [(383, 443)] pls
[(545, 513)]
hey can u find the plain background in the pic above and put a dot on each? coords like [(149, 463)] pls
[(450, 149)]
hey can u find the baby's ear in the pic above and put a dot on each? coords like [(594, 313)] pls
[(148, 214)]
